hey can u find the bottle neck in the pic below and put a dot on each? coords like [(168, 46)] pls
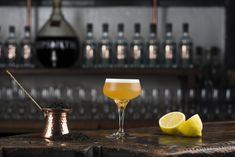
[(120, 34), (185, 34), (11, 34), (137, 34), (56, 6), (227, 94), (168, 34), (152, 35), (105, 34), (89, 34), (27, 34)]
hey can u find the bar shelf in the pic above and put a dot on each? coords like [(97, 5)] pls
[(107, 72), (97, 3)]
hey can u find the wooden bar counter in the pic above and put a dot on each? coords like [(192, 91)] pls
[(218, 140)]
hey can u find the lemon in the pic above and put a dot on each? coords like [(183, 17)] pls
[(192, 127), (170, 122)]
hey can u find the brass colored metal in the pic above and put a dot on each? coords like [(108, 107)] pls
[(34, 101), (56, 122)]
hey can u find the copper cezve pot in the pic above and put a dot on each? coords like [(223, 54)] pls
[(56, 122)]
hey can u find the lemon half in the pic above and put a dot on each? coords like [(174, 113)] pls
[(170, 122), (192, 127)]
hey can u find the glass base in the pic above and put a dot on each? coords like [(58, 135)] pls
[(120, 135)]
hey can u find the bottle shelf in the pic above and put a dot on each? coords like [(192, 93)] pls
[(107, 72), (87, 3)]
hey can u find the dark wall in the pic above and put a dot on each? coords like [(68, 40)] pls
[(230, 37)]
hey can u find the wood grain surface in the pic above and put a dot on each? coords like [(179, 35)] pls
[(218, 140)]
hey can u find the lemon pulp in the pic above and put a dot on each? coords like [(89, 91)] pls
[(170, 122)]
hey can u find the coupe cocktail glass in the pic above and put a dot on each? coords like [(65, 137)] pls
[(121, 91)]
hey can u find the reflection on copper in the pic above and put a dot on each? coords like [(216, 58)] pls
[(49, 142), (56, 122), (63, 144)]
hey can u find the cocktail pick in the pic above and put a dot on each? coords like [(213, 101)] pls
[(9, 73)]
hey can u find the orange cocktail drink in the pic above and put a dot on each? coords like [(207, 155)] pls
[(121, 91)]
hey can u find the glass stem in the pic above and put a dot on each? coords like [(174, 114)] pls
[(121, 112)]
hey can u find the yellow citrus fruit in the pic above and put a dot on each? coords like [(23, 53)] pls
[(170, 122), (192, 127)]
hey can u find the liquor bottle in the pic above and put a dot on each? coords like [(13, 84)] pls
[(57, 44), (186, 48), (216, 68), (89, 48), (224, 103), (2, 60), (215, 57), (11, 48), (192, 102), (121, 47), (178, 100), (155, 101), (137, 47), (228, 104), (167, 102), (215, 105), (198, 60), (204, 104), (169, 48), (105, 47), (26, 55), (153, 47)]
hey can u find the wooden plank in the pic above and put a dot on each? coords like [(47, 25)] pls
[(218, 140)]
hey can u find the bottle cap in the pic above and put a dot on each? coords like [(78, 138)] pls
[(185, 27), (105, 27), (137, 28), (153, 28), (12, 29), (168, 27), (120, 27), (89, 27), (27, 29)]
